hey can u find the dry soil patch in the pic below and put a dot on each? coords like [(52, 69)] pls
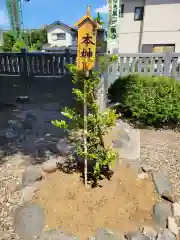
[(121, 204)]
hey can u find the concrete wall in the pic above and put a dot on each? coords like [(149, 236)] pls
[(160, 26), (59, 29)]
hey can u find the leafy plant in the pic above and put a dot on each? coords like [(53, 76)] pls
[(150, 100), (97, 122), (18, 45), (9, 41), (105, 60), (98, 18)]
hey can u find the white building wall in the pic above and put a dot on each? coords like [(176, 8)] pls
[(161, 24), (127, 29), (59, 29)]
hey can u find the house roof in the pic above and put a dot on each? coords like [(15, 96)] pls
[(61, 23)]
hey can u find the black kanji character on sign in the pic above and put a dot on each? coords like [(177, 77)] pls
[(86, 53), (87, 39)]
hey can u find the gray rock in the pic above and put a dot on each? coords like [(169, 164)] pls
[(150, 232), (166, 234), (91, 238), (128, 142), (52, 164), (56, 235), (161, 211), (15, 129), (135, 164), (162, 183), (29, 221), (64, 147), (172, 225), (176, 209), (145, 167), (27, 194), (107, 234), (142, 176), (136, 235), (31, 175), (169, 196)]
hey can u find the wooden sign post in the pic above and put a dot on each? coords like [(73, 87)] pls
[(87, 31), (86, 55)]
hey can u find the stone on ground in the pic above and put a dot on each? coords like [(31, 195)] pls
[(150, 232), (166, 234), (14, 130), (161, 211), (136, 235), (107, 234), (128, 141), (169, 196), (27, 194), (29, 221), (64, 147), (145, 167), (52, 164), (31, 175), (172, 225), (176, 209), (162, 183), (142, 176), (56, 235), (135, 164)]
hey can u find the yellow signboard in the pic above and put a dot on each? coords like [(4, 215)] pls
[(86, 53)]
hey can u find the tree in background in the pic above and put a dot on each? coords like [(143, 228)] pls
[(9, 41), (33, 40), (18, 45)]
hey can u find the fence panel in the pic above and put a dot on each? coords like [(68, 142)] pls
[(163, 64), (49, 64), (35, 64), (11, 63)]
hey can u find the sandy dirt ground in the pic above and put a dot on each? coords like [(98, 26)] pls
[(122, 204)]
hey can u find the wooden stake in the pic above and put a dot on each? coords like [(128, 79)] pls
[(85, 131)]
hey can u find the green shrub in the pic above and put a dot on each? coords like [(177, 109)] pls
[(97, 122), (151, 100)]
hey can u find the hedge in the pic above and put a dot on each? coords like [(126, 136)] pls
[(150, 100)]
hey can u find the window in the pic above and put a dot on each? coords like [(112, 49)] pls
[(121, 10), (158, 48), (61, 36), (163, 48), (138, 13), (58, 36)]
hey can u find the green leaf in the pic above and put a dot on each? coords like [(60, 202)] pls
[(59, 124)]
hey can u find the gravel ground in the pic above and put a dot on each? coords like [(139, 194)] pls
[(10, 177), (159, 149)]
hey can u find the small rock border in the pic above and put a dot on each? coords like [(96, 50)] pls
[(165, 213)]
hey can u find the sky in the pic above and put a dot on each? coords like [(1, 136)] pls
[(39, 12)]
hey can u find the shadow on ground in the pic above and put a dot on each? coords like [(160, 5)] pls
[(25, 123)]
